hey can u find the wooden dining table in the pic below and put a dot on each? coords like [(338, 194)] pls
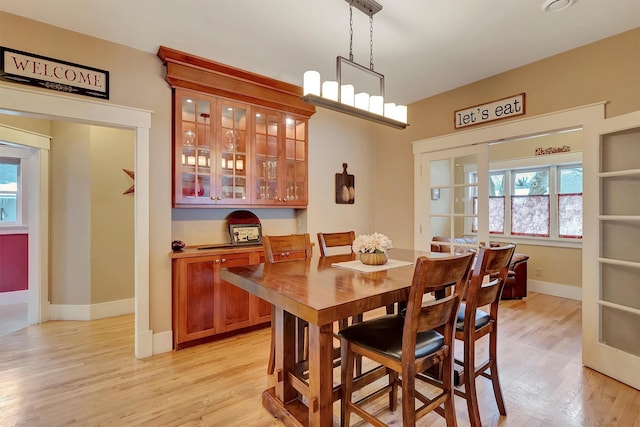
[(318, 292)]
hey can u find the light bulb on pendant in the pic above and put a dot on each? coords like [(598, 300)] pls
[(311, 82), (362, 101), (346, 94), (330, 90), (390, 110), (401, 113), (376, 104)]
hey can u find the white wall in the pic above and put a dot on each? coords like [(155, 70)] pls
[(335, 139)]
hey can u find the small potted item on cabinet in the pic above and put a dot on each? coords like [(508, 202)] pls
[(177, 245)]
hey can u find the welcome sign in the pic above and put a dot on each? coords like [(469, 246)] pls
[(35, 70), (495, 110)]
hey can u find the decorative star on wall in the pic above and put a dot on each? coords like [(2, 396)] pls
[(132, 176)]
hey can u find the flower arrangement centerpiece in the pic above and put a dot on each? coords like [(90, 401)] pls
[(372, 248)]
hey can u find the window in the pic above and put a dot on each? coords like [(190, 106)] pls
[(9, 191), (542, 202), (530, 202), (570, 202)]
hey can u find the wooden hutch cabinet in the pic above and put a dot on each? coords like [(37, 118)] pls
[(238, 138), (205, 306)]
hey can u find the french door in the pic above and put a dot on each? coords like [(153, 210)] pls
[(611, 252), (452, 198)]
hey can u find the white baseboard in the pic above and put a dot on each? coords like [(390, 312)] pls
[(162, 342), (555, 289), (14, 297), (91, 311)]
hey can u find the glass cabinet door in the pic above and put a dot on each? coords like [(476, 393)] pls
[(295, 161), (194, 138), (230, 153), (233, 150), (266, 125)]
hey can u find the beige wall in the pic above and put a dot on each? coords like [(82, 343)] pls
[(70, 218), (608, 70), (91, 242), (136, 80), (112, 227)]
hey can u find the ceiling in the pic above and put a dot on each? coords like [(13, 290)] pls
[(423, 47)]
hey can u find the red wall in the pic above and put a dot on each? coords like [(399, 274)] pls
[(13, 262)]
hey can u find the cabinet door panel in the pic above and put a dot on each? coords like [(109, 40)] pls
[(234, 308), (235, 312), (262, 311), (197, 298)]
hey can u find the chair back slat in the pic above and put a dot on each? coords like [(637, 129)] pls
[(333, 240), (488, 293), (435, 314), (430, 275), (494, 262), (286, 248)]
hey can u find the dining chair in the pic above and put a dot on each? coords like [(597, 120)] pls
[(474, 323), (283, 249), (409, 344), (342, 239)]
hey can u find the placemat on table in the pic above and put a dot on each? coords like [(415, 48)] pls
[(359, 266)]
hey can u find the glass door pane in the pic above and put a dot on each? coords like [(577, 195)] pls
[(295, 160), (452, 198), (233, 149), (266, 125), (196, 147)]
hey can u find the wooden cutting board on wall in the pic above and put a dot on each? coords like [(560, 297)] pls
[(345, 187)]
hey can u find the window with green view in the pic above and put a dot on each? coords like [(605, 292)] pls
[(9, 176)]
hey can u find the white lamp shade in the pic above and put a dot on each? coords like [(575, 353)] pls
[(330, 90), (362, 101), (346, 94), (401, 113), (390, 110), (376, 104), (311, 83)]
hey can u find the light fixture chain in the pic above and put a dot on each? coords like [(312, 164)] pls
[(371, 40), (351, 31)]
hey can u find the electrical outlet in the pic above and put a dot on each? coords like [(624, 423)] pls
[(538, 272)]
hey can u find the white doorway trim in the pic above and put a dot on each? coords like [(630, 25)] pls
[(18, 101), (550, 122), (34, 149)]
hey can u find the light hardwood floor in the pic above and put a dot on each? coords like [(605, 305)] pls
[(85, 373)]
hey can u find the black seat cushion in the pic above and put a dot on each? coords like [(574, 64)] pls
[(384, 335), (482, 318)]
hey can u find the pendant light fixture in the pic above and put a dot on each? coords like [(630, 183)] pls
[(345, 98)]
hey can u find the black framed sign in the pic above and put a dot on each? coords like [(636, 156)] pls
[(245, 233), (36, 70)]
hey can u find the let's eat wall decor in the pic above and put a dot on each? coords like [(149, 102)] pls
[(494, 110), (54, 74)]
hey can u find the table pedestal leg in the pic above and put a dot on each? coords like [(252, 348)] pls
[(320, 375)]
